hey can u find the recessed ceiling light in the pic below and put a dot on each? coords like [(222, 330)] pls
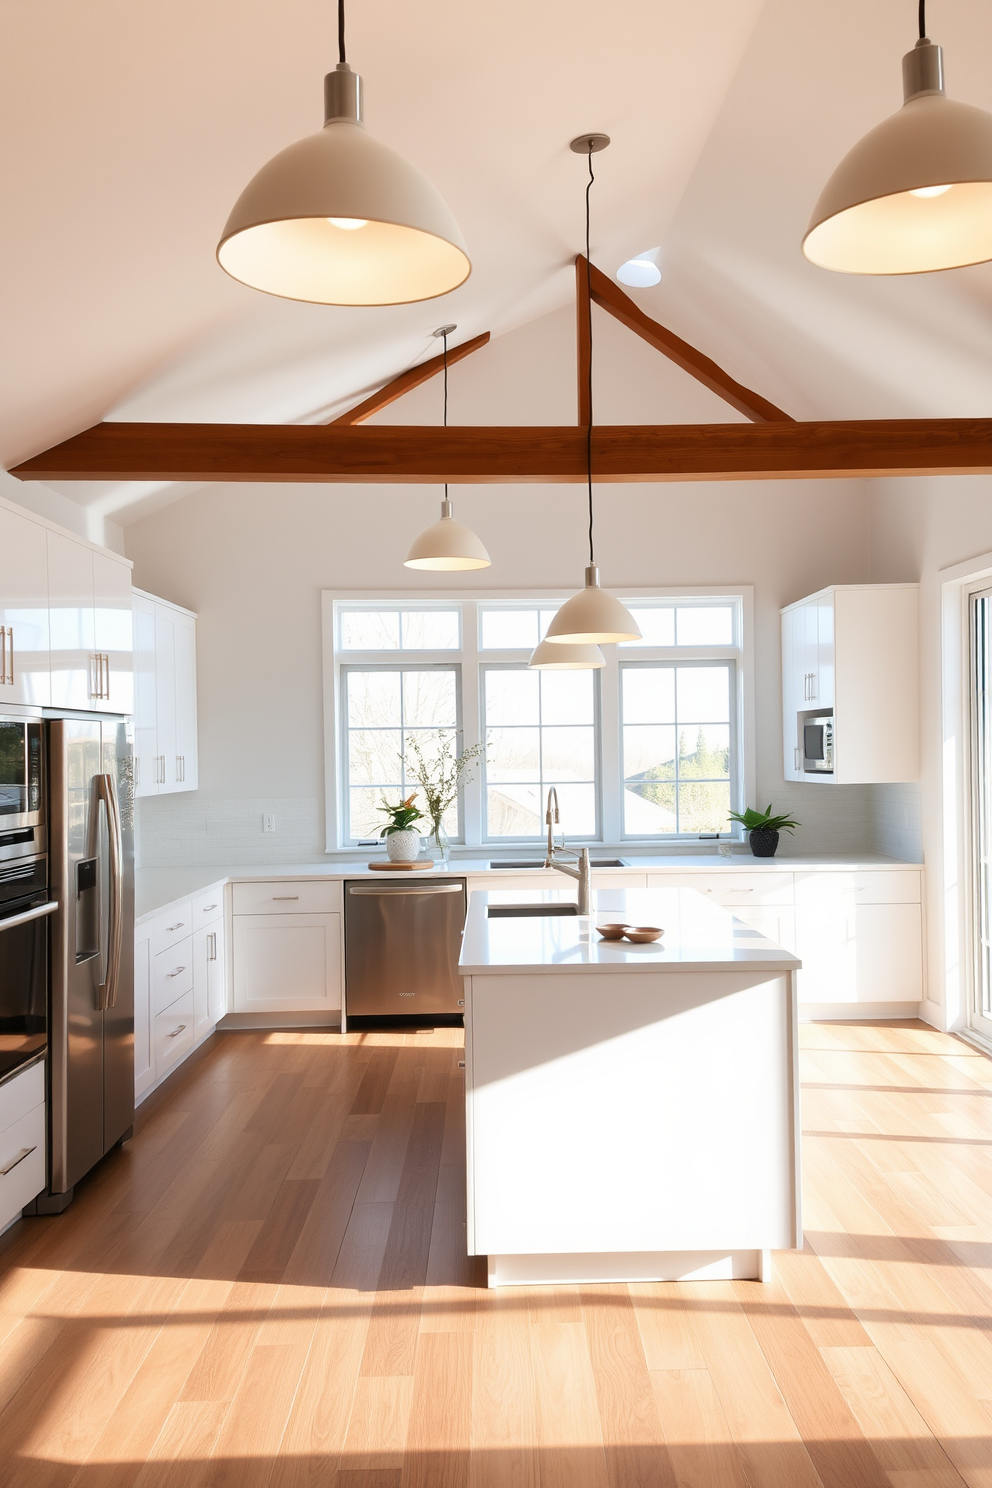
[(641, 271)]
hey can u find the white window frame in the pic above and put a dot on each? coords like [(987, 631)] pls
[(472, 657)]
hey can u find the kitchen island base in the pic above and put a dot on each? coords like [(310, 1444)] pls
[(631, 1110), (627, 1266)]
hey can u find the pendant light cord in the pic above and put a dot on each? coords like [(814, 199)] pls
[(592, 557), (444, 343), (923, 19), (341, 52)]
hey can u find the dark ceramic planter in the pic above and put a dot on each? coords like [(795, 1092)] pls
[(763, 843)]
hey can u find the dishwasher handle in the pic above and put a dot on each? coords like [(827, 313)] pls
[(388, 893)]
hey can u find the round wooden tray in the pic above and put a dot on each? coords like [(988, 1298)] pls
[(418, 867)]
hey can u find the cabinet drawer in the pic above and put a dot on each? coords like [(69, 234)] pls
[(22, 1153), (884, 886), (208, 906), (173, 924), (288, 896), (21, 1094), (731, 889), (172, 974), (173, 1034)]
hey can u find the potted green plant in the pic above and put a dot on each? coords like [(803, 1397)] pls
[(402, 837), (763, 828), (440, 778)]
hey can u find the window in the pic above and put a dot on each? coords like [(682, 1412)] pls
[(647, 749), (981, 753)]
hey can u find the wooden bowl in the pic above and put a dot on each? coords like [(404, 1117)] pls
[(641, 934), (611, 932)]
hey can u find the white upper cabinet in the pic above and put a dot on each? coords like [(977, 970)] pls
[(24, 635), (165, 697), (112, 626), (852, 652), (75, 683)]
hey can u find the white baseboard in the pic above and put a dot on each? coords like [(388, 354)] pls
[(933, 1013), (624, 1266), (853, 1012)]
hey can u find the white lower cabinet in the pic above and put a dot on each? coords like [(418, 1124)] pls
[(287, 963), (22, 1141), (180, 984), (144, 1054), (858, 932)]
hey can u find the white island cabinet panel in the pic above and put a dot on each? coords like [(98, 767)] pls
[(596, 1115), (24, 635), (287, 963), (632, 1110)]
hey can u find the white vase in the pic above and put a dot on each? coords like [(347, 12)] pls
[(403, 847)]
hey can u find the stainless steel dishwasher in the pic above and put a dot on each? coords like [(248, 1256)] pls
[(402, 942)]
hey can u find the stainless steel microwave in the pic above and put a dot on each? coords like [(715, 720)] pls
[(21, 766), (818, 745)]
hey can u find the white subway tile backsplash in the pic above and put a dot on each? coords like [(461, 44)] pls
[(190, 829)]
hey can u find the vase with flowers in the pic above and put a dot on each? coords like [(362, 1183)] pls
[(440, 778)]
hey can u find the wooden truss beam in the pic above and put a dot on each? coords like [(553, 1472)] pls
[(611, 298), (407, 381), (532, 455)]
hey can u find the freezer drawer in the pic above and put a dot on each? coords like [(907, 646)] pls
[(402, 943)]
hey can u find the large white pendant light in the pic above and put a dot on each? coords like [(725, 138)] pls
[(446, 546), (591, 617), (915, 195), (555, 657), (340, 219)]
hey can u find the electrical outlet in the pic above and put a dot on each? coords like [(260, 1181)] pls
[(269, 822)]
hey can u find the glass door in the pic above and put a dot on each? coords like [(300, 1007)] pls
[(981, 781)]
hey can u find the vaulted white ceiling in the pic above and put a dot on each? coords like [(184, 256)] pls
[(130, 129)]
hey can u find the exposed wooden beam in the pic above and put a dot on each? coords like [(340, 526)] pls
[(407, 381), (583, 348), (496, 456), (610, 297)]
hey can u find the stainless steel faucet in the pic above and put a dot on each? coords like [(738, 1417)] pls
[(582, 873)]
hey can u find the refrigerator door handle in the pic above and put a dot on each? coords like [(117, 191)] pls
[(107, 793)]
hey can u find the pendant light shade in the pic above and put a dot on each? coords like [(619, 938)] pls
[(447, 546), (562, 658), (592, 617), (341, 219), (915, 195)]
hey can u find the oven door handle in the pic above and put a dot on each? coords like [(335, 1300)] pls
[(107, 793), (29, 914)]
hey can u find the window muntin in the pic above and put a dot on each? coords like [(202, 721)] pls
[(513, 627), (541, 730), (677, 732), (384, 708), (382, 629)]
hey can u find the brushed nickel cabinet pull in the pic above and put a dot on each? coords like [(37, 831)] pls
[(179, 1030), (19, 1159), (283, 898), (3, 655), (212, 946), (177, 926), (171, 974)]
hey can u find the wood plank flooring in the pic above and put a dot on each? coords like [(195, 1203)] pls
[(268, 1288)]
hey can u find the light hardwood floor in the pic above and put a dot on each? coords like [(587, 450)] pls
[(268, 1288)]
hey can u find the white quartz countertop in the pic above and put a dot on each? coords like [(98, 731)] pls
[(698, 934), (157, 887)]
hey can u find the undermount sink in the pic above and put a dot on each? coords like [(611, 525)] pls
[(539, 863), (530, 911)]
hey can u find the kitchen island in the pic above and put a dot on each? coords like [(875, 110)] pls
[(632, 1110)]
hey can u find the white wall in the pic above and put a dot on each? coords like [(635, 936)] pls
[(252, 561), (918, 528)]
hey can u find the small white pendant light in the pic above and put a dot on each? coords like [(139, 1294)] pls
[(915, 195), (559, 658), (447, 546), (592, 617), (340, 219), (641, 271)]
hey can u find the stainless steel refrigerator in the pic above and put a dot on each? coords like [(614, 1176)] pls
[(91, 1024)]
